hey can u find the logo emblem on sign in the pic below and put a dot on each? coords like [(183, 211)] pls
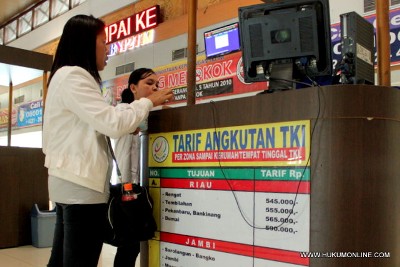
[(160, 149)]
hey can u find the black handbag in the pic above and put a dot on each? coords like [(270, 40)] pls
[(132, 220)]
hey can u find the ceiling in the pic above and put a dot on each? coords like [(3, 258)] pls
[(10, 8)]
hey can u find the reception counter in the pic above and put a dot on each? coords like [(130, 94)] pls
[(354, 198)]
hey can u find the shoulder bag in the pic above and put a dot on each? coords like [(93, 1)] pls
[(129, 220)]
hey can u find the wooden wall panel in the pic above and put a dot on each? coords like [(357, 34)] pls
[(23, 182), (354, 199)]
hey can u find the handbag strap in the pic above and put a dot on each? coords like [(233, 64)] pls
[(114, 158)]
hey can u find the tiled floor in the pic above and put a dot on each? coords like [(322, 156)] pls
[(29, 256)]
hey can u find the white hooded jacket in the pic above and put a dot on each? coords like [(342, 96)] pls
[(76, 121)]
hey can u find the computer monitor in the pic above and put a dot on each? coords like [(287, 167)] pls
[(222, 41), (285, 40)]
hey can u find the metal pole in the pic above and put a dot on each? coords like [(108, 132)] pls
[(10, 104), (383, 42), (191, 64), (144, 181)]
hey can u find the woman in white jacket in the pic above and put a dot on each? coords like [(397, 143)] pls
[(76, 123)]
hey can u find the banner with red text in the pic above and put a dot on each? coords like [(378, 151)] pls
[(217, 77)]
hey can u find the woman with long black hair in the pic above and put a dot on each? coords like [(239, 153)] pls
[(77, 122)]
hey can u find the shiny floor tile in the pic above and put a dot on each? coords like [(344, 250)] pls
[(29, 256)]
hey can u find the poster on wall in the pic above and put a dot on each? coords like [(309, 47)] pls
[(4, 118), (30, 114), (233, 196), (217, 77), (25, 115)]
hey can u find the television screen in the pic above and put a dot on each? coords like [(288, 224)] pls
[(287, 39), (222, 40)]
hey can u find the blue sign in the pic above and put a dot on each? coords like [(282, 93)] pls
[(30, 114)]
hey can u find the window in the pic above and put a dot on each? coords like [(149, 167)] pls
[(395, 2), (20, 99), (26, 115), (42, 14), (75, 3), (10, 32), (24, 23), (369, 5), (35, 17), (28, 139), (1, 36), (59, 7)]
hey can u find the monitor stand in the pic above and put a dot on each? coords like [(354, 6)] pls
[(280, 77)]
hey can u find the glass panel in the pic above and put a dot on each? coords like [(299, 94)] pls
[(59, 7), (25, 23), (395, 2), (42, 14), (26, 122), (10, 32), (76, 3), (28, 139), (1, 36), (369, 5), (4, 115)]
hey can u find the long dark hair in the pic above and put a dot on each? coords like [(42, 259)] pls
[(77, 46)]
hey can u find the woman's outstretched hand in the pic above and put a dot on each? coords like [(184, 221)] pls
[(161, 97)]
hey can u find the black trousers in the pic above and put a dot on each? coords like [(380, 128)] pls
[(78, 236), (127, 254)]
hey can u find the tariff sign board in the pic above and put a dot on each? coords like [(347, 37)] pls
[(235, 196)]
